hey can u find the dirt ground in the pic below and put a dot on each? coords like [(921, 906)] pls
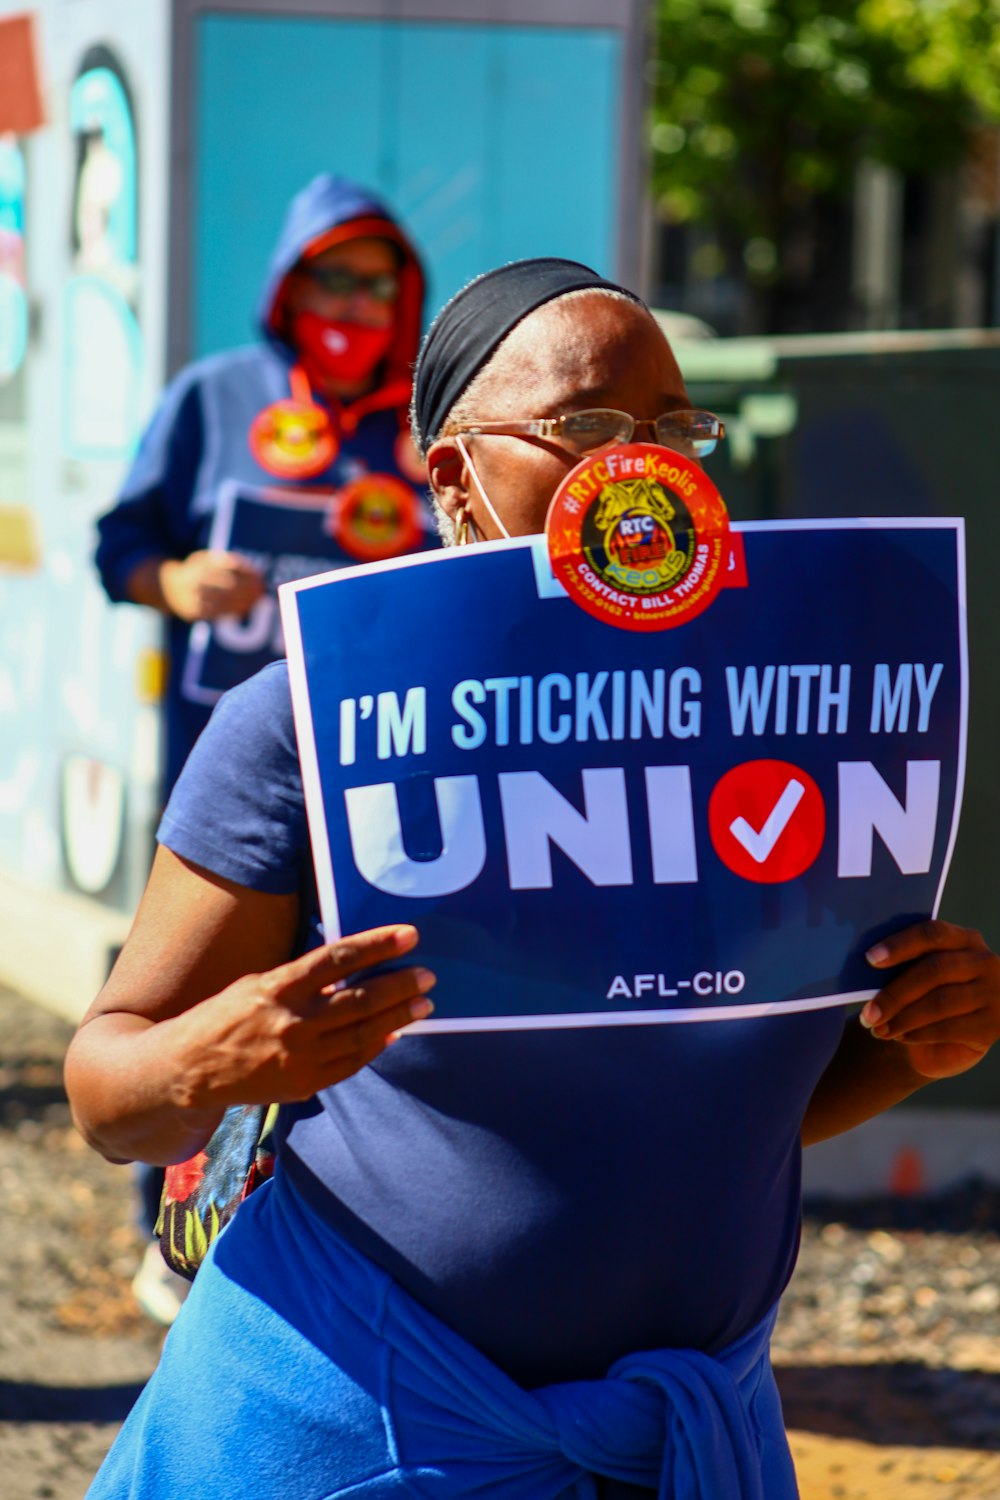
[(888, 1345)]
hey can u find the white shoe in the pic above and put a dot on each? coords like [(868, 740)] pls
[(159, 1291)]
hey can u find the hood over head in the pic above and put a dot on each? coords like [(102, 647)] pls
[(327, 211)]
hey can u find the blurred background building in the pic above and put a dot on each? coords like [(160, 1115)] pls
[(810, 200), (818, 168)]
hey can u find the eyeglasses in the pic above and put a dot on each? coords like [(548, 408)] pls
[(694, 434), (340, 282)]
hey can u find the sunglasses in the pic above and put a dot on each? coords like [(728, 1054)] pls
[(338, 281)]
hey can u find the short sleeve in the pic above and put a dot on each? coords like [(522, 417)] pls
[(238, 807)]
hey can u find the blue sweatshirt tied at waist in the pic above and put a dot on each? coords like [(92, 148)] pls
[(683, 1424), (298, 1366)]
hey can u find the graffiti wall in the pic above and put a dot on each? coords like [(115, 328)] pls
[(81, 339)]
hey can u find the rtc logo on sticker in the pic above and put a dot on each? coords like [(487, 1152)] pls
[(293, 439), (639, 536)]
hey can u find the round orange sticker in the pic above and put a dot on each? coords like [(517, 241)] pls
[(293, 439), (639, 537), (377, 516)]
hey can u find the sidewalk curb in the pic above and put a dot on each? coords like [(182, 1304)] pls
[(56, 947)]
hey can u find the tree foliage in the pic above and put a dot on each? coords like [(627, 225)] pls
[(762, 106)]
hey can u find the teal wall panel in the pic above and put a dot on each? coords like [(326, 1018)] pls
[(275, 102), (491, 142)]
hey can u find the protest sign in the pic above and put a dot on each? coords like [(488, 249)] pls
[(286, 534), (592, 825)]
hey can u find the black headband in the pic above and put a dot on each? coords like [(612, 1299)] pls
[(469, 328)]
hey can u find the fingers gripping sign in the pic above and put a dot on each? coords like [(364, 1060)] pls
[(209, 584), (282, 1035), (944, 1006)]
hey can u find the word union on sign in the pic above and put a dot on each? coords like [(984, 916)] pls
[(767, 822)]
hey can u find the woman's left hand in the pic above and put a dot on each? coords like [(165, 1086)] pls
[(945, 1005)]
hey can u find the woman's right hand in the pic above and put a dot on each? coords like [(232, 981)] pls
[(203, 1010), (282, 1035)]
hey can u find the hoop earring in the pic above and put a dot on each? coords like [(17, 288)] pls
[(461, 527)]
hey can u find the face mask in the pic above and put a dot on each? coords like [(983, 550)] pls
[(478, 483), (337, 350)]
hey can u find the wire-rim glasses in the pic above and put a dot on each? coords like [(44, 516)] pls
[(692, 433)]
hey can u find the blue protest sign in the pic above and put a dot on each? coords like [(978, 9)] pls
[(286, 534), (592, 826)]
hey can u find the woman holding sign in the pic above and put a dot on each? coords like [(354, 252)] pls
[(528, 1264)]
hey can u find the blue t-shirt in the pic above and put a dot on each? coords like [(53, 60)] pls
[(559, 1198)]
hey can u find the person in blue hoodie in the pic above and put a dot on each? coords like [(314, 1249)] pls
[(318, 405)]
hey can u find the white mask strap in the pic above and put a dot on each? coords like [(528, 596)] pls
[(478, 483)]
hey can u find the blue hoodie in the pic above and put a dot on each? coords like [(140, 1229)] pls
[(197, 482)]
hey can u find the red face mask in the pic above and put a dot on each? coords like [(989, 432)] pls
[(335, 350)]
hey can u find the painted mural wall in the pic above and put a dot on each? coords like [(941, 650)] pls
[(82, 223)]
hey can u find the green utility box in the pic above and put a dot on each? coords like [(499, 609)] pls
[(902, 424)]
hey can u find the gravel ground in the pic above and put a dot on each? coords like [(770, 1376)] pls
[(888, 1349), (888, 1344)]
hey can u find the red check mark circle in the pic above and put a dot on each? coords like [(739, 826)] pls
[(767, 820)]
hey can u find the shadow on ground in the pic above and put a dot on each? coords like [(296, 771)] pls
[(896, 1405), (28, 1085), (23, 1401)]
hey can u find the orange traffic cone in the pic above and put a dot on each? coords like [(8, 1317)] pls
[(907, 1178)]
